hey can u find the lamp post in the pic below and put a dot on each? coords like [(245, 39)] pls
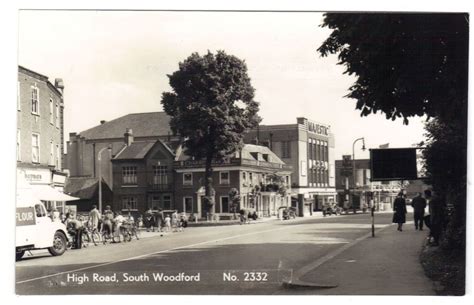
[(353, 168), (99, 158)]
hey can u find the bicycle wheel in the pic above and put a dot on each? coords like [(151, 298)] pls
[(96, 238)]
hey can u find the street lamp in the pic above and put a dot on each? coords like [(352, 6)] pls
[(353, 168), (99, 154)]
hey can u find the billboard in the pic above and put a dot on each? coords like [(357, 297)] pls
[(394, 164)]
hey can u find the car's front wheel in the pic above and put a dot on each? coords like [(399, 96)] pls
[(59, 244), (19, 254)]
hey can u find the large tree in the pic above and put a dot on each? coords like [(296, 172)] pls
[(406, 64), (413, 65), (211, 106)]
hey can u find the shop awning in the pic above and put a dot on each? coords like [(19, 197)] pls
[(48, 193)]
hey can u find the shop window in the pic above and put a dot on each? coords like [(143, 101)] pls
[(129, 203), (166, 202), (129, 175), (224, 177), (188, 179)]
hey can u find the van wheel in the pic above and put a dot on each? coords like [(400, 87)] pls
[(19, 254), (59, 244)]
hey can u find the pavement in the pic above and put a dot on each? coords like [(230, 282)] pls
[(387, 264)]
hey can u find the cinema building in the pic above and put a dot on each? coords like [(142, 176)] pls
[(308, 147)]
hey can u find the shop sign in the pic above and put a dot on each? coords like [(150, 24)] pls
[(59, 179), (36, 176), (25, 216)]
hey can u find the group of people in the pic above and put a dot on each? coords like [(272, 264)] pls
[(164, 222), (433, 220)]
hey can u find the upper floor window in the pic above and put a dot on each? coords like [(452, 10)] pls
[(51, 111), (57, 115), (51, 153), (286, 149), (35, 148), (35, 100), (224, 177), (18, 145), (129, 175), (160, 174), (188, 179), (58, 157), (18, 94)]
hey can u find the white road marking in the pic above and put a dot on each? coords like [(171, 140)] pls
[(153, 253)]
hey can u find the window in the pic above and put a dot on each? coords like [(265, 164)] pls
[(155, 202), (34, 100), (35, 148), (40, 211), (224, 204), (18, 100), (58, 157), (244, 177), (286, 149), (166, 202), (188, 179), (188, 205), (224, 177), (160, 175), (51, 111), (57, 115), (251, 178), (51, 153), (18, 145), (129, 175), (129, 203)]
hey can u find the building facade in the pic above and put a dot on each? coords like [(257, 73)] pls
[(250, 171), (40, 136), (143, 177), (308, 146), (383, 192), (83, 149)]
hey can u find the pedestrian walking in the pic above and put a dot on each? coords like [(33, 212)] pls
[(108, 216), (148, 219), (419, 204), (183, 222), (94, 217), (174, 221), (400, 210), (160, 218), (167, 223), (436, 208)]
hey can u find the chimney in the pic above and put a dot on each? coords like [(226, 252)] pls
[(128, 136), (58, 83), (102, 122)]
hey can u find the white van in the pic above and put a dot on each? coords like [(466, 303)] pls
[(35, 229)]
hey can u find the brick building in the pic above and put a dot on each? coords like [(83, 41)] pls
[(249, 171), (307, 146), (40, 136)]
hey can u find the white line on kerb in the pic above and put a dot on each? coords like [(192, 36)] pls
[(153, 253)]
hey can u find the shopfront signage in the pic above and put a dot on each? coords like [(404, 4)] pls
[(25, 216), (37, 176)]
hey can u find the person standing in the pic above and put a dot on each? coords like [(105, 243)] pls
[(436, 208), (94, 217), (107, 229), (400, 210), (160, 218), (419, 204)]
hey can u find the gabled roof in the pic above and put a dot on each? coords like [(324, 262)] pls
[(139, 150), (148, 124), (248, 149)]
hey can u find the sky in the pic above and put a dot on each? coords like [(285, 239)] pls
[(115, 62)]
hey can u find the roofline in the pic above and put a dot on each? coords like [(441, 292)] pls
[(40, 77)]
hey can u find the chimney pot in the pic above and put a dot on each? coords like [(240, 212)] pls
[(128, 136), (102, 122)]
